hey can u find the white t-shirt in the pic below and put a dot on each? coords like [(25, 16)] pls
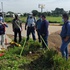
[(31, 22)]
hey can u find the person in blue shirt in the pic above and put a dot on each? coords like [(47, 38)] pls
[(44, 31), (65, 36), (38, 27), (2, 31)]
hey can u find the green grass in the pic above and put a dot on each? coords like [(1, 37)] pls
[(40, 59), (54, 19), (49, 18)]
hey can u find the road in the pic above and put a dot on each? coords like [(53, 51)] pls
[(51, 30)]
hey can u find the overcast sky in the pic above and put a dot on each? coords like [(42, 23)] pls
[(21, 6)]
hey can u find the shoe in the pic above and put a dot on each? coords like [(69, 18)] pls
[(2, 48)]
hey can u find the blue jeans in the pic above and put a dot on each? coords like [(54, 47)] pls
[(64, 48), (45, 39), (29, 31)]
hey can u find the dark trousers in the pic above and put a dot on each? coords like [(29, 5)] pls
[(29, 31), (38, 32), (17, 32), (45, 40)]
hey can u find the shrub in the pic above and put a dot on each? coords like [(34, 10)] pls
[(34, 46), (49, 61)]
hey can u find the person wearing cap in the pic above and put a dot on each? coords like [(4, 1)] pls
[(17, 28), (65, 35), (30, 26), (44, 31)]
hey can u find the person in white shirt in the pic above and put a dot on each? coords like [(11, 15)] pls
[(30, 24)]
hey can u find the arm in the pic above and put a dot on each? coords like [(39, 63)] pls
[(68, 32), (26, 23), (5, 24), (13, 25)]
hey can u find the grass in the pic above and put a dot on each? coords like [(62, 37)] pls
[(39, 59), (54, 19), (49, 18)]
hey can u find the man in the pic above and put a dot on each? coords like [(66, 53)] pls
[(17, 28), (44, 31), (31, 27), (65, 35), (38, 27)]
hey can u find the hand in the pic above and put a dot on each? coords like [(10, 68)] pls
[(21, 29), (66, 39), (36, 29), (25, 28), (13, 30), (43, 34)]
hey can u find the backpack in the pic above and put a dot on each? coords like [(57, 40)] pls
[(2, 29)]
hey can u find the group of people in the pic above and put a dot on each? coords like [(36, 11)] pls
[(41, 26)]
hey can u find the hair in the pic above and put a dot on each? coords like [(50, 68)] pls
[(65, 15), (16, 16), (44, 16)]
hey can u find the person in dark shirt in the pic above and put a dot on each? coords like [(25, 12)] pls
[(44, 31), (38, 26), (65, 35), (17, 28)]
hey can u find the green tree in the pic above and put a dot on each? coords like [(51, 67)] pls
[(35, 12)]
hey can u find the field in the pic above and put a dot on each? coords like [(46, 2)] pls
[(49, 18), (39, 59)]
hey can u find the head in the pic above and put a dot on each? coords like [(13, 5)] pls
[(30, 16), (16, 16), (65, 17), (43, 17), (40, 16)]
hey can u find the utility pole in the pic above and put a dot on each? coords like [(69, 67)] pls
[(41, 6), (2, 9)]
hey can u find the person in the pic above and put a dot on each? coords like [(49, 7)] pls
[(44, 31), (2, 31), (38, 27), (17, 28), (65, 35), (30, 25)]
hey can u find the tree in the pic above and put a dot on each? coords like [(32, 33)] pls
[(58, 11), (10, 12), (35, 12)]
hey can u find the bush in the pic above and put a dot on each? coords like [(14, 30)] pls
[(49, 61), (34, 46), (54, 22)]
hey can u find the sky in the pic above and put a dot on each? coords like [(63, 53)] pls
[(22, 6)]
